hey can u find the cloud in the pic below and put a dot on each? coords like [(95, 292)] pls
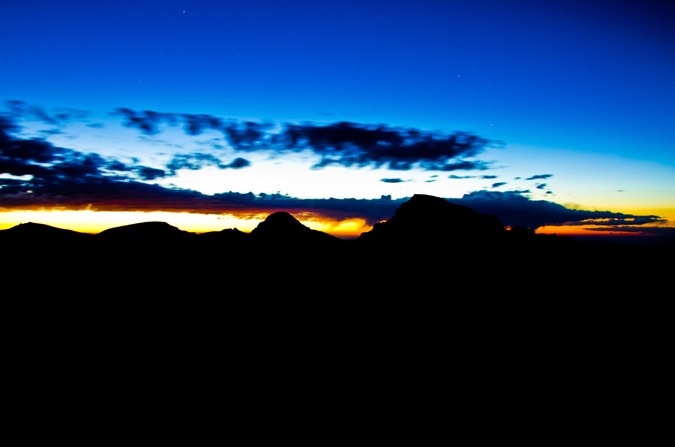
[(199, 160), (142, 172), (498, 184), (147, 173), (241, 135), (344, 143), (540, 177), (667, 233), (50, 177), (238, 163), (196, 124), (485, 177), (512, 208), (463, 165), (147, 121), (249, 135), (49, 164), (392, 180), (351, 144), (57, 117)]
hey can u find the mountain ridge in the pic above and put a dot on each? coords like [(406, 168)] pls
[(424, 251), (423, 223), (424, 219)]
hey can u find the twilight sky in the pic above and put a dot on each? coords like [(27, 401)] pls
[(558, 115)]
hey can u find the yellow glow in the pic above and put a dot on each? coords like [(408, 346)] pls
[(97, 221), (668, 214), (345, 228), (573, 230)]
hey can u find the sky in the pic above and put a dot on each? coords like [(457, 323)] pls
[(556, 115)]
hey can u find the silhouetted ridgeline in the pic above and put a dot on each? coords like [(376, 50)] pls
[(437, 285), (427, 236)]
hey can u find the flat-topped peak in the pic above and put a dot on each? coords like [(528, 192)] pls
[(144, 230), (425, 217)]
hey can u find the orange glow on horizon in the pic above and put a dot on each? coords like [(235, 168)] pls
[(87, 221), (96, 221), (574, 230), (344, 229)]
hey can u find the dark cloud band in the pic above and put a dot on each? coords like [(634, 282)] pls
[(513, 208), (344, 143)]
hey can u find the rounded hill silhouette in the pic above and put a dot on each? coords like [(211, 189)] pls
[(34, 232), (431, 220), (427, 239), (144, 231)]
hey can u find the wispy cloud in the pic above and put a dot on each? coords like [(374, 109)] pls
[(392, 180), (56, 117), (352, 144), (461, 177), (343, 143), (540, 177), (513, 208), (199, 160), (346, 144)]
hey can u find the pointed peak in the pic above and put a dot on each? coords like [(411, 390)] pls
[(282, 227)]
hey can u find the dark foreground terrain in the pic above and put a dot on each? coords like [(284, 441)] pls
[(429, 246), (435, 285), (438, 304)]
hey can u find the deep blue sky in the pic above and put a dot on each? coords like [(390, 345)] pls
[(592, 77), (554, 73)]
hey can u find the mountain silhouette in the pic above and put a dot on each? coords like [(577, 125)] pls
[(431, 220), (435, 271), (281, 228), (145, 232), (27, 239), (427, 240), (226, 236), (31, 231)]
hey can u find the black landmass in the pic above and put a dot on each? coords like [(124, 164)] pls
[(436, 288), (438, 298), (430, 243)]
